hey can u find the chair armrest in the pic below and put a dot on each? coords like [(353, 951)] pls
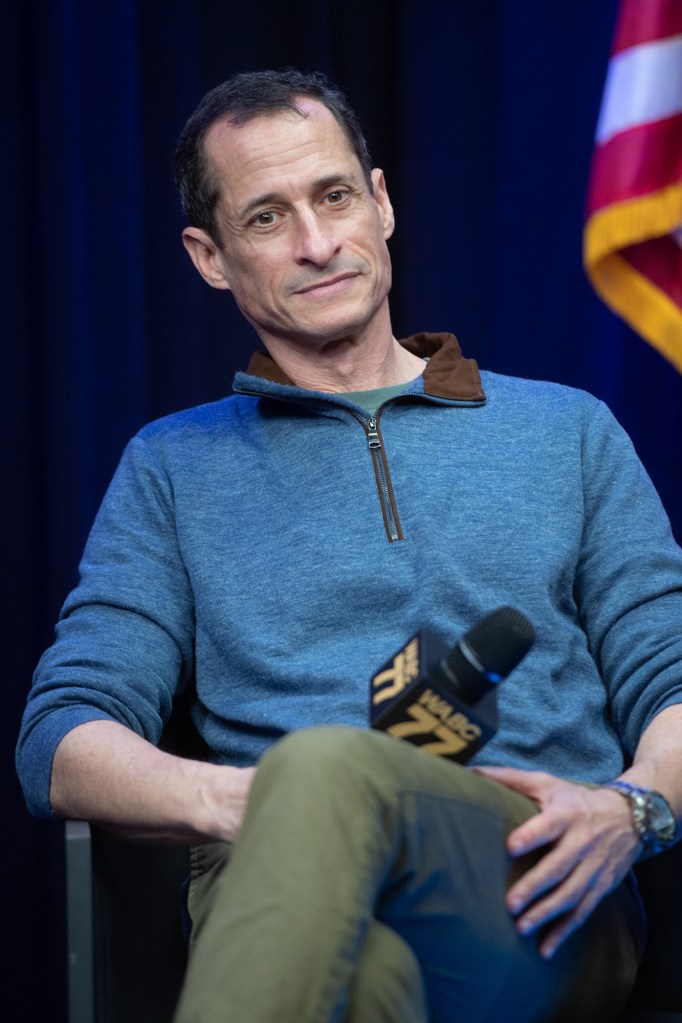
[(79, 922)]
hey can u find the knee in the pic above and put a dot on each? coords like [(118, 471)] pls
[(340, 754), (322, 773), (333, 757), (319, 749)]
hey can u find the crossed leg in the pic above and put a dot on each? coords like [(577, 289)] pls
[(347, 827)]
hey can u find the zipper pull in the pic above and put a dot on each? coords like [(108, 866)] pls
[(372, 435)]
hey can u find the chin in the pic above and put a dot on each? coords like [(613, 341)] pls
[(342, 327), (328, 336)]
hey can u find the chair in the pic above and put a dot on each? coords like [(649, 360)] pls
[(126, 919), (657, 997), (126, 943), (127, 950)]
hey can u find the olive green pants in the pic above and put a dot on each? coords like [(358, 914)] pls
[(367, 886)]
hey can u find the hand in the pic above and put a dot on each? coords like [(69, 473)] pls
[(103, 772), (590, 846)]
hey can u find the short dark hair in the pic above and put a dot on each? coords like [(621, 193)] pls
[(245, 96)]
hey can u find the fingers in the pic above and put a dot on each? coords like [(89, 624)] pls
[(554, 886), (557, 812), (535, 833), (588, 844), (557, 933), (529, 783), (563, 888), (564, 909)]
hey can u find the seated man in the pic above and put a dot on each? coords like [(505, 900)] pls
[(269, 552)]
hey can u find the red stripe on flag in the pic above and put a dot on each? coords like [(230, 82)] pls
[(660, 260), (637, 162), (643, 21), (634, 198)]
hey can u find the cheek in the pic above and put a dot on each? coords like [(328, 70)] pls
[(254, 277), (373, 242), (248, 263), (381, 257)]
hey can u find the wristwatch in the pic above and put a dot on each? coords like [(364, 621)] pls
[(652, 815)]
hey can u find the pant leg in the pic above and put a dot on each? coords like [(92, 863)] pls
[(345, 826), (387, 984), (476, 967)]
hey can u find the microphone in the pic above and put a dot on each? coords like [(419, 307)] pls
[(444, 700)]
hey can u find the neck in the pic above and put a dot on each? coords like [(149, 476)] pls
[(346, 365)]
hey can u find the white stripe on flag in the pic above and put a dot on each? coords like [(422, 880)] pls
[(643, 84)]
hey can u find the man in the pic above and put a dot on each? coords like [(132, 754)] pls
[(275, 548)]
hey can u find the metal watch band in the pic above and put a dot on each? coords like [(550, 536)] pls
[(652, 815)]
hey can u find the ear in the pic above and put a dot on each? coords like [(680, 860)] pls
[(383, 202), (206, 256)]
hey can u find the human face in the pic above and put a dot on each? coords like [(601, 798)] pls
[(303, 240)]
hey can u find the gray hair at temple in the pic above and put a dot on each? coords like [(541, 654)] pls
[(238, 100)]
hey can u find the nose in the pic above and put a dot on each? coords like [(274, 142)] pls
[(315, 240)]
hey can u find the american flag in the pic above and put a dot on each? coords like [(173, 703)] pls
[(633, 229)]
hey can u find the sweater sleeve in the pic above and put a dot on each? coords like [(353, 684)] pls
[(124, 640), (628, 581)]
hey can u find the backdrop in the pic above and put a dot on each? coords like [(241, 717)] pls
[(482, 116)]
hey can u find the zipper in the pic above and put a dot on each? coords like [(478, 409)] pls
[(371, 427), (376, 450)]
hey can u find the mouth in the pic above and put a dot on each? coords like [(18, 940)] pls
[(329, 286)]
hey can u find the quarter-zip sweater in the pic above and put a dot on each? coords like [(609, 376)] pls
[(272, 550)]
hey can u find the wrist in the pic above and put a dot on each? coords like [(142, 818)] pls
[(222, 795), (651, 816)]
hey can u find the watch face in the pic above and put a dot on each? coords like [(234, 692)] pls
[(652, 816), (661, 820)]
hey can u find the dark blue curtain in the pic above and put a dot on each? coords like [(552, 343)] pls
[(482, 116)]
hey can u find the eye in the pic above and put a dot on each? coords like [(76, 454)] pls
[(266, 218), (336, 197)]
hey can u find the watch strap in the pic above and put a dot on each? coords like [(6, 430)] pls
[(654, 839)]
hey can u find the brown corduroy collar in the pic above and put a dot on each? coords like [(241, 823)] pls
[(447, 373)]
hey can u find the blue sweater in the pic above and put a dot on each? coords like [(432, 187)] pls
[(276, 547)]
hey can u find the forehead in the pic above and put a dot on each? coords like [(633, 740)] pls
[(277, 151)]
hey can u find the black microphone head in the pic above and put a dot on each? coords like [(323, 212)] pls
[(489, 651)]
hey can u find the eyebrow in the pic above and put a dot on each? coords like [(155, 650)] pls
[(273, 197)]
